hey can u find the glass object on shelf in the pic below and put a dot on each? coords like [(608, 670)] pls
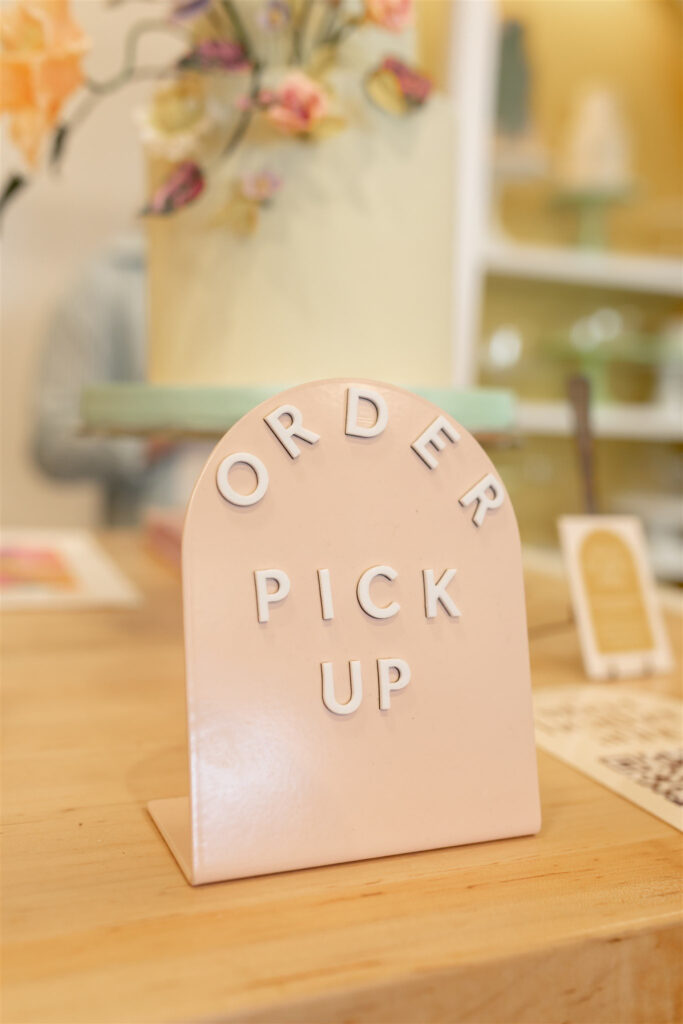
[(594, 167), (596, 155), (518, 155), (613, 335), (670, 370), (504, 348), (514, 80)]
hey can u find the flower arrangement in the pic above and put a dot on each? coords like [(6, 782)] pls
[(274, 67)]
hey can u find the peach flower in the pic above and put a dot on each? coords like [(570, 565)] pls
[(41, 49), (394, 15), (260, 186), (297, 105)]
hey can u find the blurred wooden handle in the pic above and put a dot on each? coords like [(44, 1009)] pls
[(579, 392)]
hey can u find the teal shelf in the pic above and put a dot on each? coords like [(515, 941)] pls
[(210, 411)]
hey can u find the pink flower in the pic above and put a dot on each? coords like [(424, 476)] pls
[(265, 97), (215, 55), (184, 185), (394, 15), (260, 186), (414, 86), (297, 105)]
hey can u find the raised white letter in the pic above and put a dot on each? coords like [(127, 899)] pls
[(353, 428), (384, 667), (264, 597), (363, 591), (295, 429), (329, 699), (432, 435), (479, 493), (325, 594), (228, 492), (435, 592)]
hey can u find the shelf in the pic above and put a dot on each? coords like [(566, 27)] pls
[(210, 411), (636, 422), (656, 275), (666, 558)]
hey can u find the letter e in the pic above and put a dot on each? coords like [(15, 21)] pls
[(432, 435)]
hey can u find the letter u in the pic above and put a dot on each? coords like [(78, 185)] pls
[(329, 699)]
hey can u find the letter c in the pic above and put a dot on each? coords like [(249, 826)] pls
[(363, 592)]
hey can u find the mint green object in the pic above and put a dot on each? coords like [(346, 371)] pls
[(593, 206), (210, 411)]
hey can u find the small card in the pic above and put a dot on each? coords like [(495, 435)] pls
[(57, 569), (630, 741), (613, 595)]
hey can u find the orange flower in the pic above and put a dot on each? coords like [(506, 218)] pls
[(41, 48)]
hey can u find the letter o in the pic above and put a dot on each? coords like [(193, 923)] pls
[(228, 492)]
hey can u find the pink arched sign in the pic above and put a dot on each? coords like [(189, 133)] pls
[(356, 646)]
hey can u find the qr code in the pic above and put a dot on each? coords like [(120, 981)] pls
[(661, 772)]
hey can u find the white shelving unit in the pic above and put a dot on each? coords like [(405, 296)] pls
[(651, 274), (479, 253), (482, 252), (635, 422)]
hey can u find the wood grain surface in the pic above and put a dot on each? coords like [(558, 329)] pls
[(582, 923)]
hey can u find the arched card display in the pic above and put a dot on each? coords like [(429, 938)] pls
[(356, 645)]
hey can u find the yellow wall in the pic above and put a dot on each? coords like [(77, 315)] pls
[(544, 482), (434, 38), (634, 48)]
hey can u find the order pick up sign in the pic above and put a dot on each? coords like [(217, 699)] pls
[(356, 646)]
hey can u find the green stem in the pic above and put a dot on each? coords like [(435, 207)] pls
[(90, 101), (14, 184), (241, 34), (343, 31), (246, 116), (328, 25), (128, 68), (299, 34)]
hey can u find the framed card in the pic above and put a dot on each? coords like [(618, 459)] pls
[(613, 596)]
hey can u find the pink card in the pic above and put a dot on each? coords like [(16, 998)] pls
[(356, 646)]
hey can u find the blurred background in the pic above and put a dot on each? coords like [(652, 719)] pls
[(542, 226)]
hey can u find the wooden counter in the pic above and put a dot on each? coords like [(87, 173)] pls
[(582, 923)]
